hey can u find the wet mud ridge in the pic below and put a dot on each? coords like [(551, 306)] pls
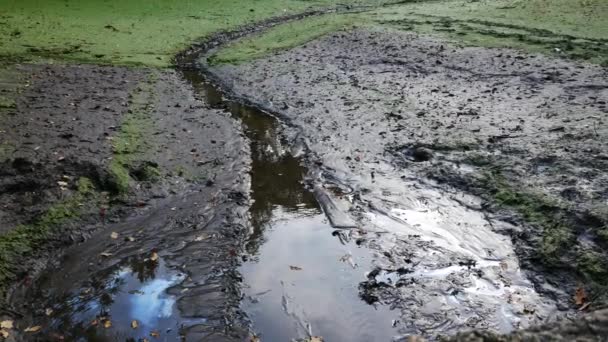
[(429, 155)]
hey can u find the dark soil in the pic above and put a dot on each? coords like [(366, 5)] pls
[(186, 199)]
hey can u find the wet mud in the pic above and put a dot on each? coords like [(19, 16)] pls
[(401, 133), (157, 261), (359, 215)]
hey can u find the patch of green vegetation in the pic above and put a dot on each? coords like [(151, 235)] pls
[(128, 32), (282, 37), (594, 265), (130, 143), (6, 102), (537, 209), (25, 239), (567, 28), (558, 245)]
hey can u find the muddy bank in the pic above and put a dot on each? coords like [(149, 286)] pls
[(402, 128), (152, 184)]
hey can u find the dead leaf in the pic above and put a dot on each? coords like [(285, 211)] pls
[(33, 329), (6, 325), (130, 239), (48, 311), (114, 235), (134, 324), (295, 268), (154, 256), (94, 322), (580, 297), (255, 339), (107, 324), (106, 254), (155, 334), (4, 333), (316, 339)]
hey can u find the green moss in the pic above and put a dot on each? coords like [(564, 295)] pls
[(593, 265), (539, 210), (133, 32), (131, 142), (283, 37), (119, 176), (85, 186), (6, 102)]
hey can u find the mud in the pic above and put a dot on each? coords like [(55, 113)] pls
[(362, 221), (171, 241), (401, 130)]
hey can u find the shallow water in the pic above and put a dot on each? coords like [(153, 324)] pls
[(302, 276)]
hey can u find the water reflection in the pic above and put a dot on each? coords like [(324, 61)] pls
[(131, 299)]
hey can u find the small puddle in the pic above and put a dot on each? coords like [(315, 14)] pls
[(130, 298), (302, 276)]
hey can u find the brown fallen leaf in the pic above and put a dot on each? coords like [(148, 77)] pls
[(107, 324), (154, 256), (33, 329), (114, 235), (6, 324), (4, 333), (254, 338), (134, 324), (295, 268), (155, 334), (580, 297)]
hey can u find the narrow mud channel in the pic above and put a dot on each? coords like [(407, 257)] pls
[(300, 278)]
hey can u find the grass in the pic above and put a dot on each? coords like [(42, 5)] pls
[(130, 143), (23, 240), (283, 37), (128, 32), (567, 28)]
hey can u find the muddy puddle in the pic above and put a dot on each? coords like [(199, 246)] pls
[(300, 276), (127, 302)]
